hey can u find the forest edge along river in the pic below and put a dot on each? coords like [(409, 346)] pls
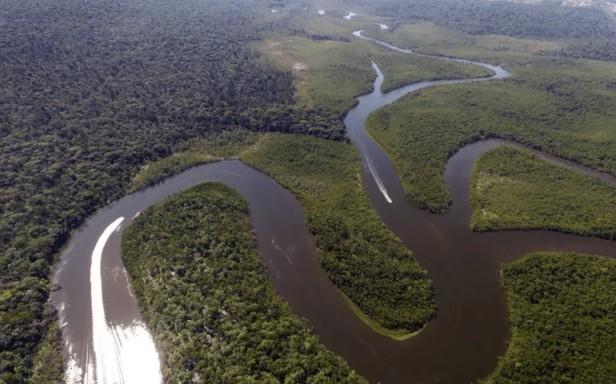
[(460, 345)]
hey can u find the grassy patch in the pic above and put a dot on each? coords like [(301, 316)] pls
[(398, 335), (205, 295), (328, 73), (562, 107), (331, 74), (362, 257), (563, 315), (429, 38), (513, 189), (333, 26)]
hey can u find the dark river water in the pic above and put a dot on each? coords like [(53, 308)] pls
[(461, 345)]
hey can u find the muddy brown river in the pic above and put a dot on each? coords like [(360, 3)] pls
[(107, 342)]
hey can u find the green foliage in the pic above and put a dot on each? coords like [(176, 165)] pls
[(159, 170), (362, 257), (513, 189), (432, 39), (331, 74), (216, 147), (24, 320), (48, 364), (400, 69), (90, 92), (204, 294), (478, 30), (543, 20), (563, 315), (226, 144), (559, 106)]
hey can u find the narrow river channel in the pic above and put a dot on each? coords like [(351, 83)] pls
[(107, 342)]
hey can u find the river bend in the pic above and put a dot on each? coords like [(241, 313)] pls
[(461, 345)]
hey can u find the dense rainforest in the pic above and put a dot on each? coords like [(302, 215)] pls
[(91, 91), (563, 315), (206, 297)]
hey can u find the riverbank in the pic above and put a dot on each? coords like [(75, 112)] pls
[(204, 292), (563, 320), (512, 189), (467, 335), (361, 256)]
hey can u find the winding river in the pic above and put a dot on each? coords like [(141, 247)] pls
[(107, 342)]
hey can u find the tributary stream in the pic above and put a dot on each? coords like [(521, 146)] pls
[(107, 342)]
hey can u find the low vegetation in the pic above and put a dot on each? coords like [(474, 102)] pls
[(563, 316), (513, 189), (362, 257), (330, 74), (204, 293), (429, 37), (576, 31), (497, 49), (561, 107), (519, 19), (332, 25), (599, 48)]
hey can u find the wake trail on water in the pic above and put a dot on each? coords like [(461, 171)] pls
[(498, 73), (122, 354), (377, 180)]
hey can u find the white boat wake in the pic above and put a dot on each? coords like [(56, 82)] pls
[(377, 180), (122, 354)]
